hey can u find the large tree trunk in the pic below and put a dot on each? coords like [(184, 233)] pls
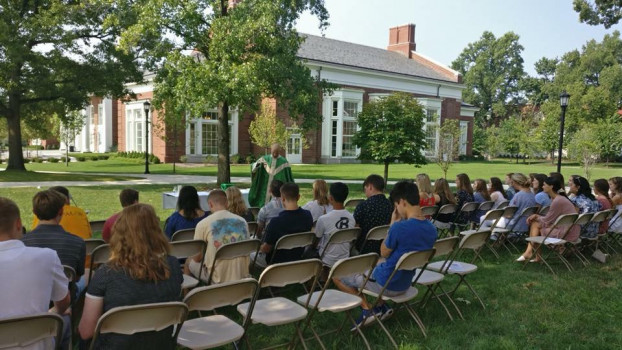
[(16, 157), (386, 172), (224, 172)]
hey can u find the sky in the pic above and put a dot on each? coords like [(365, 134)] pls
[(547, 28)]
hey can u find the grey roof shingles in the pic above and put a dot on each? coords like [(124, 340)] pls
[(338, 52)]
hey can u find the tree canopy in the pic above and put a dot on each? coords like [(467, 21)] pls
[(391, 129), (53, 55), (605, 12), (240, 54)]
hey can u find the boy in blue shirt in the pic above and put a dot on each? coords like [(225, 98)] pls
[(410, 231)]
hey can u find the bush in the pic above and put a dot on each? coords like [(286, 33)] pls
[(183, 159), (94, 158), (103, 157), (250, 158), (153, 159), (26, 160), (37, 160), (211, 160), (64, 159), (81, 158), (235, 159), (53, 160)]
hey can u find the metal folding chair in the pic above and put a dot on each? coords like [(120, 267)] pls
[(553, 244), (100, 255), (444, 227), (377, 233), (492, 216), (429, 211), (504, 232), (183, 235), (467, 210), (348, 235), (97, 225), (22, 331), (229, 251), (252, 228), (292, 241), (185, 250), (353, 203)]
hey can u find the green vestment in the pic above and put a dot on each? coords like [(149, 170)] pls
[(264, 171)]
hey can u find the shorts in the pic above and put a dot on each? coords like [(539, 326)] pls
[(357, 281), (196, 268)]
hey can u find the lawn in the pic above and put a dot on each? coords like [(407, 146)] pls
[(475, 169), (32, 176)]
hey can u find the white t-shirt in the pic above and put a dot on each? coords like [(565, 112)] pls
[(32, 277), (317, 210), (325, 227), (220, 228)]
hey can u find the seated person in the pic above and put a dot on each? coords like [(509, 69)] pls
[(542, 225), (320, 204), (293, 219), (542, 199), (338, 219), (272, 209), (236, 205), (221, 227), (480, 195), (409, 232), (374, 211), (74, 219), (42, 278), (127, 197), (188, 213), (137, 273), (443, 196), (48, 208), (615, 184), (585, 202)]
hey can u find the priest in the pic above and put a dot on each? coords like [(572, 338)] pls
[(264, 170)]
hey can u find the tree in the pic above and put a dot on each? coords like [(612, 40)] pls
[(492, 69), (584, 148), (494, 145), (241, 54), (511, 135), (605, 12), (448, 144), (607, 132), (68, 126), (267, 129), (391, 129), (53, 54), (548, 135)]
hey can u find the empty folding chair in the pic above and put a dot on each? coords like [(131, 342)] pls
[(100, 255), (444, 227), (491, 216), (377, 233), (254, 211), (183, 235), (408, 262), (503, 233), (23, 331), (565, 222), (353, 203), (229, 251), (572, 247), (185, 250), (215, 330), (451, 266), (334, 300), (432, 280), (252, 228), (278, 311), (292, 241), (466, 211), (97, 226), (486, 206), (93, 243), (590, 244), (429, 211), (128, 320)]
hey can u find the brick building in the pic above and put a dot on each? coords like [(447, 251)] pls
[(362, 74)]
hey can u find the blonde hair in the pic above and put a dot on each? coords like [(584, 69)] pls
[(320, 192), (521, 180), (138, 245), (235, 202), (424, 184)]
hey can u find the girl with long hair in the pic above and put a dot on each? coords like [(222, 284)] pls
[(497, 193), (426, 195), (601, 189), (585, 201), (442, 196), (537, 180), (139, 271), (236, 205), (464, 194), (480, 194), (188, 213), (319, 205), (615, 184)]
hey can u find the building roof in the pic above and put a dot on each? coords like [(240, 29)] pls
[(338, 52), (467, 105)]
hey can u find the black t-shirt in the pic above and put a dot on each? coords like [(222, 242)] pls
[(119, 289), (288, 222), (373, 212)]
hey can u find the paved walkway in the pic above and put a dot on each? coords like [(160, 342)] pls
[(147, 179)]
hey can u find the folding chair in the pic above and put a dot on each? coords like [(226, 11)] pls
[(467, 209), (552, 243), (215, 330), (134, 319), (544, 210), (100, 255), (503, 204), (408, 262), (185, 250), (377, 233), (254, 211), (348, 235), (276, 311), (334, 300), (493, 216), (609, 238), (444, 227), (432, 280), (583, 221), (234, 250), (183, 235), (22, 331), (505, 232), (429, 211), (93, 243), (252, 228), (450, 266), (353, 203), (486, 206), (292, 241), (97, 226)]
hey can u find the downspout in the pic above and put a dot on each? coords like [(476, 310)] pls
[(438, 91), (318, 131)]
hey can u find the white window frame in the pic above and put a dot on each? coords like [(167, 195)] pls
[(431, 105), (132, 120), (464, 136), (198, 128), (340, 97)]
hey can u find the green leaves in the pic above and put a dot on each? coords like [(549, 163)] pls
[(605, 12)]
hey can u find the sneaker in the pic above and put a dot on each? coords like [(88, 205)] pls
[(383, 312), (365, 319), (494, 237)]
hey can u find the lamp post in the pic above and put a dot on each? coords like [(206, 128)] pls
[(563, 101), (147, 107)]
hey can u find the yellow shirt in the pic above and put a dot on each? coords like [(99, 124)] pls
[(74, 221)]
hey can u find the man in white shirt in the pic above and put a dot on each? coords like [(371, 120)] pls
[(32, 276), (221, 227), (338, 219)]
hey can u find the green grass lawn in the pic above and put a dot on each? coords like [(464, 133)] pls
[(479, 169), (33, 176)]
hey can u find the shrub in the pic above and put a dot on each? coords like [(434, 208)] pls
[(103, 157), (64, 159), (37, 160), (53, 160), (153, 159), (183, 159), (235, 159), (26, 160), (250, 158), (210, 160), (81, 158), (94, 158)]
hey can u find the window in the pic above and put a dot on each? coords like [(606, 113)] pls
[(139, 137), (100, 114), (350, 109), (464, 129), (209, 138), (431, 132), (135, 128), (335, 109), (202, 133), (349, 128), (193, 139), (333, 142), (340, 123)]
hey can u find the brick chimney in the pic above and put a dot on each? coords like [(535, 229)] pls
[(402, 39)]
